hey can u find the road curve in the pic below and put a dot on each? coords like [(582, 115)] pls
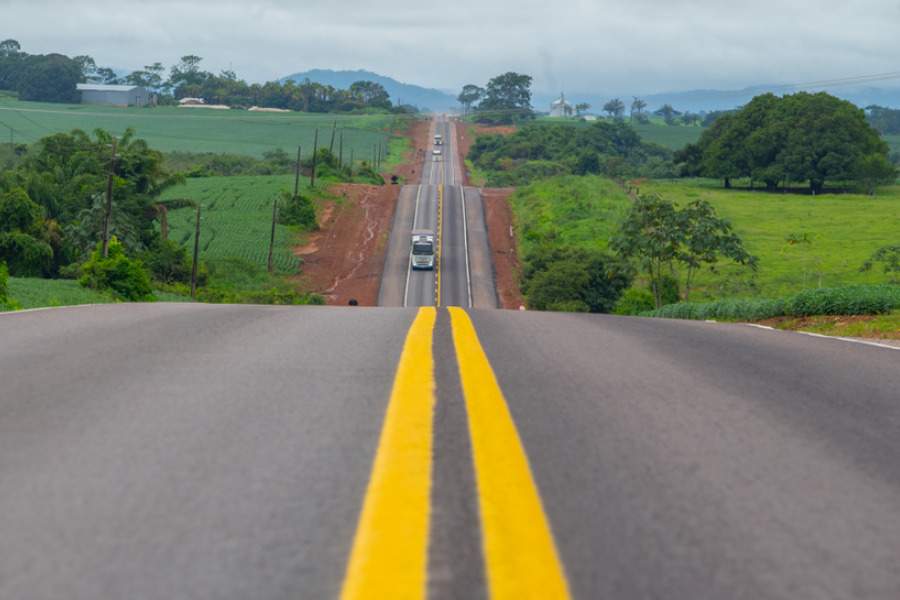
[(192, 451)]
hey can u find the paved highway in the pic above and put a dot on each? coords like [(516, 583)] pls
[(464, 270), (191, 451)]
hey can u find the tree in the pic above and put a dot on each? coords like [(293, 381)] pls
[(656, 234), (469, 95), (87, 66), (638, 106), (510, 92), (689, 117), (107, 76), (804, 239), (572, 279), (890, 257), (581, 108), (874, 170), (155, 79), (668, 113), (649, 236), (20, 246), (707, 240), (588, 162), (50, 78), (614, 107)]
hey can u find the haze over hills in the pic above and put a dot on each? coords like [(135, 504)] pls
[(415, 95)]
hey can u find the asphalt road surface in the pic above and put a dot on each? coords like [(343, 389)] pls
[(463, 275), (192, 451)]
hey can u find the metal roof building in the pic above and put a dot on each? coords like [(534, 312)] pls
[(119, 95)]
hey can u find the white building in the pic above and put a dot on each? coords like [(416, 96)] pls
[(562, 107), (119, 95)]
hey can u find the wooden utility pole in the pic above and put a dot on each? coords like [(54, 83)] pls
[(351, 162), (341, 152), (333, 129), (312, 181), (272, 242), (374, 155), (196, 252), (297, 179), (112, 172)]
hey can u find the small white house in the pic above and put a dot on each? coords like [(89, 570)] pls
[(117, 95)]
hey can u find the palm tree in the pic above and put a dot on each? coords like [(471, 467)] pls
[(637, 106), (159, 208)]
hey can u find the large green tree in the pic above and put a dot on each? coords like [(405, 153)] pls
[(50, 78), (510, 92)]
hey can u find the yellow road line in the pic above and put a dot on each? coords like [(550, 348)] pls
[(389, 556), (437, 299), (522, 562)]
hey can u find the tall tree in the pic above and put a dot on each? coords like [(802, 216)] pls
[(509, 92), (50, 78), (668, 113), (637, 106)]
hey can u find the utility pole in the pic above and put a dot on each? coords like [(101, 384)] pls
[(374, 156), (297, 179), (272, 243), (196, 253), (312, 181), (351, 162), (341, 152), (333, 129), (112, 172)]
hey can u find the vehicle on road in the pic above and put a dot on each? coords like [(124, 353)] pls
[(436, 155), (422, 249), (438, 139)]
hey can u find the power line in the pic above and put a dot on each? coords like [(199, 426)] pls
[(16, 131), (26, 118)]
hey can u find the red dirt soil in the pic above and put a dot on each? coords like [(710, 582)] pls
[(345, 257)]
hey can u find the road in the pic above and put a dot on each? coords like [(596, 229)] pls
[(193, 451), (463, 275)]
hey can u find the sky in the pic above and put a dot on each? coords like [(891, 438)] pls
[(602, 47)]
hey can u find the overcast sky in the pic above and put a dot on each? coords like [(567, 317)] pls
[(619, 48)]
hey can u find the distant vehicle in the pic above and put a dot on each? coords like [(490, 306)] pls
[(422, 249), (436, 155), (438, 139)]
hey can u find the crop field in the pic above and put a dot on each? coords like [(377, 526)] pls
[(171, 129), (38, 293), (845, 230), (237, 219)]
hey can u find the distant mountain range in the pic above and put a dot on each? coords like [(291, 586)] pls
[(415, 95)]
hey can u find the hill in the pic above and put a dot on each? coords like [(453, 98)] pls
[(416, 95)]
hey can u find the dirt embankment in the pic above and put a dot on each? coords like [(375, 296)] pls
[(419, 139), (499, 219), (345, 257)]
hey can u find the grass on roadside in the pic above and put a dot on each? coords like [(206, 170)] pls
[(40, 293)]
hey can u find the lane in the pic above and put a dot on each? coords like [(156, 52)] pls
[(188, 451), (455, 284), (693, 460)]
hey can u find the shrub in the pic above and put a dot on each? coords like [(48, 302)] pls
[(298, 212), (634, 302), (126, 279)]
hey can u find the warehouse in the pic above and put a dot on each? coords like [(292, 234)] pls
[(119, 95)]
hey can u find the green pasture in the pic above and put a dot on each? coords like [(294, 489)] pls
[(237, 219), (170, 129), (846, 230)]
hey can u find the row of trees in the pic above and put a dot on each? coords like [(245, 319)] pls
[(53, 78), (799, 137), (535, 152), (506, 97)]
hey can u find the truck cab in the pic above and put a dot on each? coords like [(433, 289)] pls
[(438, 140), (422, 249)]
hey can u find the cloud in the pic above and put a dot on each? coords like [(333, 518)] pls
[(640, 47)]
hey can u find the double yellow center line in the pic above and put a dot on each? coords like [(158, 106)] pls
[(389, 555)]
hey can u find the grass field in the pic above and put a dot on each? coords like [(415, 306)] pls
[(196, 129), (237, 219), (38, 293), (581, 211), (846, 231)]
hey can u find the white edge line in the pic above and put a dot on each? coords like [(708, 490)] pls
[(466, 241), (409, 264), (827, 337), (27, 310)]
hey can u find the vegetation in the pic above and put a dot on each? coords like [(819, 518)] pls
[(237, 219), (803, 137), (837, 300), (39, 293), (656, 234), (123, 278), (532, 153)]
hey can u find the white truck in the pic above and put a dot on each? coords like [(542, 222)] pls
[(422, 252), (438, 140)]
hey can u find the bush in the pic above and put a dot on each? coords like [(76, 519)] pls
[(297, 212), (670, 292), (126, 279), (634, 302), (6, 303)]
